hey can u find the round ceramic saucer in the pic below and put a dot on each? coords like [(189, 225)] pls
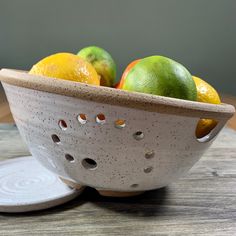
[(25, 185)]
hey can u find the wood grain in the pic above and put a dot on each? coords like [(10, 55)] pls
[(201, 203)]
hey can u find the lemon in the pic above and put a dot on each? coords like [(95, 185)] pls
[(204, 127), (66, 66), (205, 93)]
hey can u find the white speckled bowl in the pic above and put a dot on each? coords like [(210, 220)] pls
[(154, 147)]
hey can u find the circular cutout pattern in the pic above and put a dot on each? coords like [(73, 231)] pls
[(56, 139), (62, 124), (82, 119), (101, 119), (120, 123), (69, 158), (148, 169), (149, 155), (138, 135), (89, 164)]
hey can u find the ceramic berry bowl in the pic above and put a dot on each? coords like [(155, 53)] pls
[(118, 142)]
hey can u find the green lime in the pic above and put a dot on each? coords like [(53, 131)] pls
[(102, 62), (161, 76)]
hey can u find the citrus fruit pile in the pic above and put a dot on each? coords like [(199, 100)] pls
[(156, 75)]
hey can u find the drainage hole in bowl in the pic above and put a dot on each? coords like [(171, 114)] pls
[(148, 169), (56, 139), (149, 155), (89, 164), (62, 124), (138, 135), (69, 158), (134, 185), (120, 123), (101, 119), (82, 119)]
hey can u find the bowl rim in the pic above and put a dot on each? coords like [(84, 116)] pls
[(112, 96)]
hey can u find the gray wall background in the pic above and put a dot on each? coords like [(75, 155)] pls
[(199, 34)]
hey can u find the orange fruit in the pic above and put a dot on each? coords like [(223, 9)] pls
[(66, 66), (125, 73), (205, 93)]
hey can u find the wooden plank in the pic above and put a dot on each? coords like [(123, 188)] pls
[(203, 202)]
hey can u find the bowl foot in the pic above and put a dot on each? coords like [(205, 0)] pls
[(71, 184), (105, 193), (108, 193)]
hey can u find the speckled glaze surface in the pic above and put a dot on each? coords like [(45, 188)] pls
[(122, 142)]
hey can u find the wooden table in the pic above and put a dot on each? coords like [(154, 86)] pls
[(201, 203)]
